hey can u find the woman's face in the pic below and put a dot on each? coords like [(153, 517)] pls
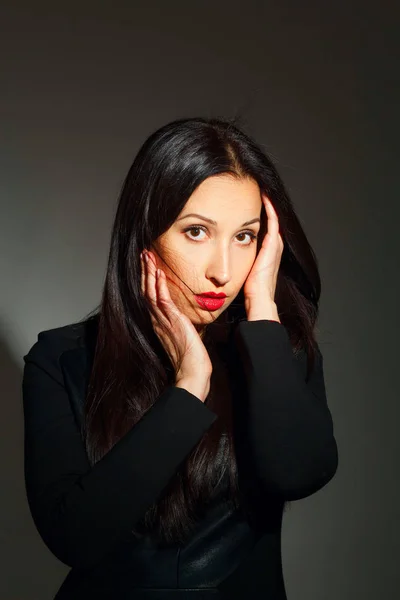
[(211, 257)]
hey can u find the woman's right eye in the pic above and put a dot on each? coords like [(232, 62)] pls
[(194, 228)]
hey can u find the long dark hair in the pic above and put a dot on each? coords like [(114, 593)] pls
[(130, 367)]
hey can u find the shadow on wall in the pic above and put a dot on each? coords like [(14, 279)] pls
[(26, 562)]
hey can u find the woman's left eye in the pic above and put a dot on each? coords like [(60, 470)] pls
[(251, 234)]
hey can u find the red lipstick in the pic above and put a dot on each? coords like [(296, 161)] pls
[(212, 295), (210, 300)]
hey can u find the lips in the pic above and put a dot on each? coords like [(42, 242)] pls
[(212, 295), (209, 302)]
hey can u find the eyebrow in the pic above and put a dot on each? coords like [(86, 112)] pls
[(215, 222)]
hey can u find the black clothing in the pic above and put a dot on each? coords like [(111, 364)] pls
[(85, 514)]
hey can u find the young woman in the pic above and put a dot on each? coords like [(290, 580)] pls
[(166, 433)]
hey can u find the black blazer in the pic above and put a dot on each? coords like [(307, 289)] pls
[(85, 514)]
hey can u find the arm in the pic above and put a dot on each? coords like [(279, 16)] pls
[(82, 512), (289, 425)]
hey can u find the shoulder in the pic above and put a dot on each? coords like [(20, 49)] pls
[(52, 343), (57, 339)]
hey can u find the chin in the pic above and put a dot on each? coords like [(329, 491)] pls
[(204, 319)]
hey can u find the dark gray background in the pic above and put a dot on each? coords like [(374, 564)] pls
[(83, 84)]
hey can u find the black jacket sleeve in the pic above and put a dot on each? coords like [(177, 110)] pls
[(289, 427), (82, 512)]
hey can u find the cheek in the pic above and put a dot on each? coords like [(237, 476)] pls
[(245, 266), (179, 284)]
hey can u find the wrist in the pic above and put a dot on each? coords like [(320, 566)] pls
[(268, 312), (198, 387)]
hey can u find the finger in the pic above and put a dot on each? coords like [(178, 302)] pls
[(160, 307), (151, 280), (166, 303), (163, 304), (273, 221), (142, 275), (164, 325), (149, 290), (163, 287)]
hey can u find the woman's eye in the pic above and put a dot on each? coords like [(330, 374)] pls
[(252, 236), (198, 228), (194, 229)]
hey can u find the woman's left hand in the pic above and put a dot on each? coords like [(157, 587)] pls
[(259, 288)]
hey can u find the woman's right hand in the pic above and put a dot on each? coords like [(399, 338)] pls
[(180, 339)]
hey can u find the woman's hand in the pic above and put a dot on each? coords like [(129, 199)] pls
[(174, 329), (259, 288)]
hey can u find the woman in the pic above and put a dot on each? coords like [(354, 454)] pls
[(166, 433)]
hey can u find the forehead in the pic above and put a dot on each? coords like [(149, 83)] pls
[(223, 193)]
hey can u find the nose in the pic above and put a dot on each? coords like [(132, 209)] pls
[(219, 268)]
